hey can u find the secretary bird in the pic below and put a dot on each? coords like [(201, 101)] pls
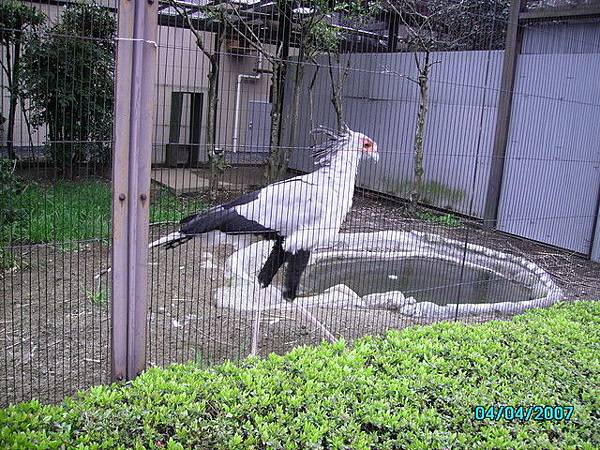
[(299, 214)]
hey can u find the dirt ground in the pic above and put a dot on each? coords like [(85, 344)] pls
[(55, 319)]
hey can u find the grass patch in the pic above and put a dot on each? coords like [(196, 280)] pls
[(415, 388), (97, 297), (448, 220), (7, 260), (434, 192), (71, 211)]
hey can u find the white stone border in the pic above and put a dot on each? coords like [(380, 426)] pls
[(242, 291)]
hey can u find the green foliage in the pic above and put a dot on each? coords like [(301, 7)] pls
[(449, 220), (356, 12), (7, 260), (319, 35), (167, 207), (414, 388), (11, 188), (433, 192), (15, 17), (68, 78), (17, 21), (69, 211), (97, 297), (62, 212)]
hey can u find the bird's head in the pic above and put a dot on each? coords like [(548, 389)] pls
[(362, 143), (345, 140)]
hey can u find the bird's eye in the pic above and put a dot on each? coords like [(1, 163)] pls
[(367, 145)]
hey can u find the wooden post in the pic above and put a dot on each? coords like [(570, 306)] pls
[(514, 37), (135, 95)]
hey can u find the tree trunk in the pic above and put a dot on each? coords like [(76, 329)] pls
[(337, 88), (213, 158), (14, 97), (419, 171), (29, 131), (274, 161), (336, 92), (11, 125), (294, 112), (311, 102), (284, 29)]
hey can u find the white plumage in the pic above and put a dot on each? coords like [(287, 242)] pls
[(300, 214)]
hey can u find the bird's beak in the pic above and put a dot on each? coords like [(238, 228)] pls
[(375, 156)]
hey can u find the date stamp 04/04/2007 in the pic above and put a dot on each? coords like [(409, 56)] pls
[(523, 413)]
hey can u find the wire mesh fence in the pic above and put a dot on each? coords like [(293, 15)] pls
[(463, 198), (56, 112)]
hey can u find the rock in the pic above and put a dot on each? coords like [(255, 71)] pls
[(427, 309), (207, 265), (393, 300), (335, 295), (538, 291)]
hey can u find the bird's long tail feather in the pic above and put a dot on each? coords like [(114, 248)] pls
[(171, 240)]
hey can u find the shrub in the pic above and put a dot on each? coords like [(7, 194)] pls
[(68, 74), (17, 22), (414, 388), (10, 187)]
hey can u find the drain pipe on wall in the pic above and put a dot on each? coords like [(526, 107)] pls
[(238, 99)]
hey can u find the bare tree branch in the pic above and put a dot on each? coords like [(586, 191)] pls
[(260, 48), (199, 38)]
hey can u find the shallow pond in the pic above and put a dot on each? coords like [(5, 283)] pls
[(426, 279)]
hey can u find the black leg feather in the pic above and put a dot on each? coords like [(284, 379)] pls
[(296, 265), (272, 265)]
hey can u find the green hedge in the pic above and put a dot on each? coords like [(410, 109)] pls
[(414, 388)]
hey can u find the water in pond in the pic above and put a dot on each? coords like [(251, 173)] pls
[(426, 279)]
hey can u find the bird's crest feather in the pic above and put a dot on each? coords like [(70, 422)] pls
[(334, 141)]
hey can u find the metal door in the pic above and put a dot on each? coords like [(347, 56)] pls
[(258, 127)]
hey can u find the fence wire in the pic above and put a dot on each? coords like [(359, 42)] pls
[(56, 129), (240, 87)]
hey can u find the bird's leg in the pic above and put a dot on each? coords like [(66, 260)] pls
[(313, 320), (256, 331), (296, 264), (272, 265)]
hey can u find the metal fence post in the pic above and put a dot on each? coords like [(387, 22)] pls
[(514, 36), (135, 96)]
